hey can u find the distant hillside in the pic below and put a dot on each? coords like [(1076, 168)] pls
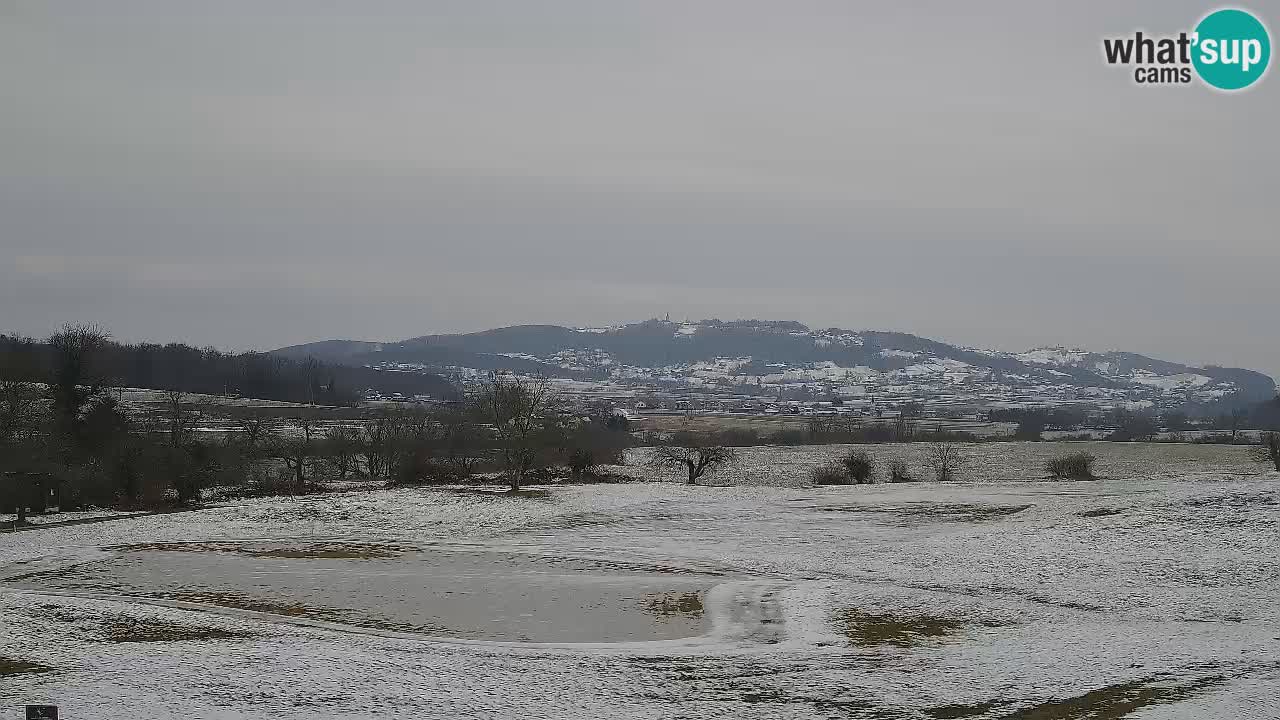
[(786, 353)]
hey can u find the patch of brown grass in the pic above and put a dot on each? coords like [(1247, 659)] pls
[(1115, 701), (304, 551), (130, 630), (1098, 512), (332, 551), (665, 605), (866, 629), (936, 512), (10, 666)]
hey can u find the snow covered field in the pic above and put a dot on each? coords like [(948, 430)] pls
[(1149, 594)]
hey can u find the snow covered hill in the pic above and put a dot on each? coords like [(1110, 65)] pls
[(787, 360)]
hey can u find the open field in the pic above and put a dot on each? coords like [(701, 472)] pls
[(767, 425), (1147, 594)]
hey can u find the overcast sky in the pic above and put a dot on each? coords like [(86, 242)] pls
[(254, 174)]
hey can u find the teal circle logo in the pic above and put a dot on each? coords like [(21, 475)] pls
[(1232, 49)]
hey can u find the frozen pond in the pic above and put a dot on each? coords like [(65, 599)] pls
[(1150, 594), (441, 591)]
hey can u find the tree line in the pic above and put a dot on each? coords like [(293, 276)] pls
[(515, 427), (1139, 425), (175, 366)]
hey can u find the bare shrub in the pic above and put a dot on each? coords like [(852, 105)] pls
[(427, 471), (1072, 466), (581, 463), (899, 472), (858, 465), (830, 475)]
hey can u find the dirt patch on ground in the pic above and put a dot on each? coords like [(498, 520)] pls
[(123, 629), (1116, 701), (333, 551), (1235, 501), (117, 628), (739, 683), (11, 666), (1098, 512), (898, 629), (324, 550), (934, 512)]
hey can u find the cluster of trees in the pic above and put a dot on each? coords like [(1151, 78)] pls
[(1126, 425), (207, 371), (1134, 425), (72, 428), (1032, 422), (516, 427)]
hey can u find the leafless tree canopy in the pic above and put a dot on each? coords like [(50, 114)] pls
[(75, 378), (696, 461), (518, 411), (179, 420), (945, 460), (296, 446), (340, 448)]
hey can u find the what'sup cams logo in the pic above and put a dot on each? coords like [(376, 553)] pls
[(1228, 50)]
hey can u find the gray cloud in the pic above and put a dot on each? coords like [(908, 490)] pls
[(253, 176)]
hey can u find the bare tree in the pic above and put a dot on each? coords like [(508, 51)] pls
[(297, 450), (1236, 421), (518, 411), (75, 379), (372, 444), (462, 440), (252, 434), (904, 430), (1269, 450), (946, 460), (340, 448), (414, 442), (180, 423), (696, 460), (1132, 426)]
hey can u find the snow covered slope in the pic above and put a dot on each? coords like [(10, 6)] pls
[(787, 359)]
